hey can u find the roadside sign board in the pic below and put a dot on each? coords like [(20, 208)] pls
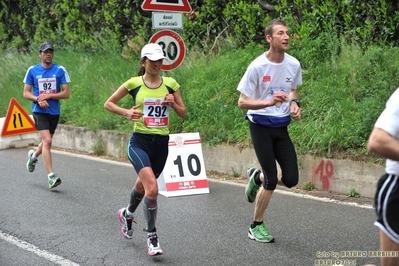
[(167, 5), (184, 172), (173, 47), (167, 20), (17, 120)]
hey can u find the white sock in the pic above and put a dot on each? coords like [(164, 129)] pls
[(50, 175), (128, 213)]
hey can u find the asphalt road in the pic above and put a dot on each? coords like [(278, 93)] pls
[(76, 223)]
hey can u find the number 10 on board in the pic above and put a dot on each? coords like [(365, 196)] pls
[(184, 172)]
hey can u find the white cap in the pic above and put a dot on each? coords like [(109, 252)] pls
[(152, 51)]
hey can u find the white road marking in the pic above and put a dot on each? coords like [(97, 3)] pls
[(306, 196), (65, 262), (31, 248), (365, 206)]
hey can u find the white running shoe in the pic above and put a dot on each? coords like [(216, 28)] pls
[(153, 246)]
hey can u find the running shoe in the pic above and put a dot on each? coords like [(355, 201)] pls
[(53, 181), (30, 165), (126, 229), (260, 234), (153, 246), (251, 188)]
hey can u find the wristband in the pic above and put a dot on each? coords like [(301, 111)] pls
[(297, 102)]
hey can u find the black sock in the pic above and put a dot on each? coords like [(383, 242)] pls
[(254, 224), (257, 178)]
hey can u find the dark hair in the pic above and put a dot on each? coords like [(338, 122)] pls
[(142, 68), (271, 24), (141, 71)]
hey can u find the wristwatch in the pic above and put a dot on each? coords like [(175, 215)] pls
[(297, 102)]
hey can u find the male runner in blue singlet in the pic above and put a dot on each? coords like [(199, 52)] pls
[(45, 85)]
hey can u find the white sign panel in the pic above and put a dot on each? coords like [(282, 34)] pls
[(167, 20), (184, 172)]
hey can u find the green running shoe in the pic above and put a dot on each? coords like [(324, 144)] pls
[(260, 234), (251, 188), (53, 181), (30, 165)]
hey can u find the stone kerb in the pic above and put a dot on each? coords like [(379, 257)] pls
[(326, 174)]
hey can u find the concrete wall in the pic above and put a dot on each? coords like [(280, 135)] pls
[(81, 139), (327, 174)]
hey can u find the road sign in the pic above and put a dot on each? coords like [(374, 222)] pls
[(17, 120), (173, 48), (184, 172), (167, 5), (167, 20)]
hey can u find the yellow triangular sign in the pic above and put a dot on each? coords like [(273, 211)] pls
[(17, 120)]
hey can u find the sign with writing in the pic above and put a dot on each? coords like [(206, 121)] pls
[(184, 172), (167, 20)]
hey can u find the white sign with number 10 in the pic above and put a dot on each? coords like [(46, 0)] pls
[(184, 172)]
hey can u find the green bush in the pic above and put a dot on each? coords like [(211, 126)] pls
[(363, 22), (246, 21), (102, 25)]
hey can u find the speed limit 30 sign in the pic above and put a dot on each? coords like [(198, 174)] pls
[(173, 48)]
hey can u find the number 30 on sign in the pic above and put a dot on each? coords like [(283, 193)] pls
[(173, 47), (184, 172)]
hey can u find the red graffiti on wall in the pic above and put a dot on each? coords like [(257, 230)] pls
[(325, 171)]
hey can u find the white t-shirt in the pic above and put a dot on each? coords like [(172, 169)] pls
[(389, 122), (263, 77)]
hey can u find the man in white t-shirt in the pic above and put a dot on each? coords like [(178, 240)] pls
[(384, 141), (269, 93)]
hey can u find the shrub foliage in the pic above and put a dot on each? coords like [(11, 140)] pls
[(107, 24)]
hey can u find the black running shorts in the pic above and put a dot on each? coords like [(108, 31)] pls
[(387, 206), (46, 121)]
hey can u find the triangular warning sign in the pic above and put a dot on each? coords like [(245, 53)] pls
[(167, 5), (17, 120)]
